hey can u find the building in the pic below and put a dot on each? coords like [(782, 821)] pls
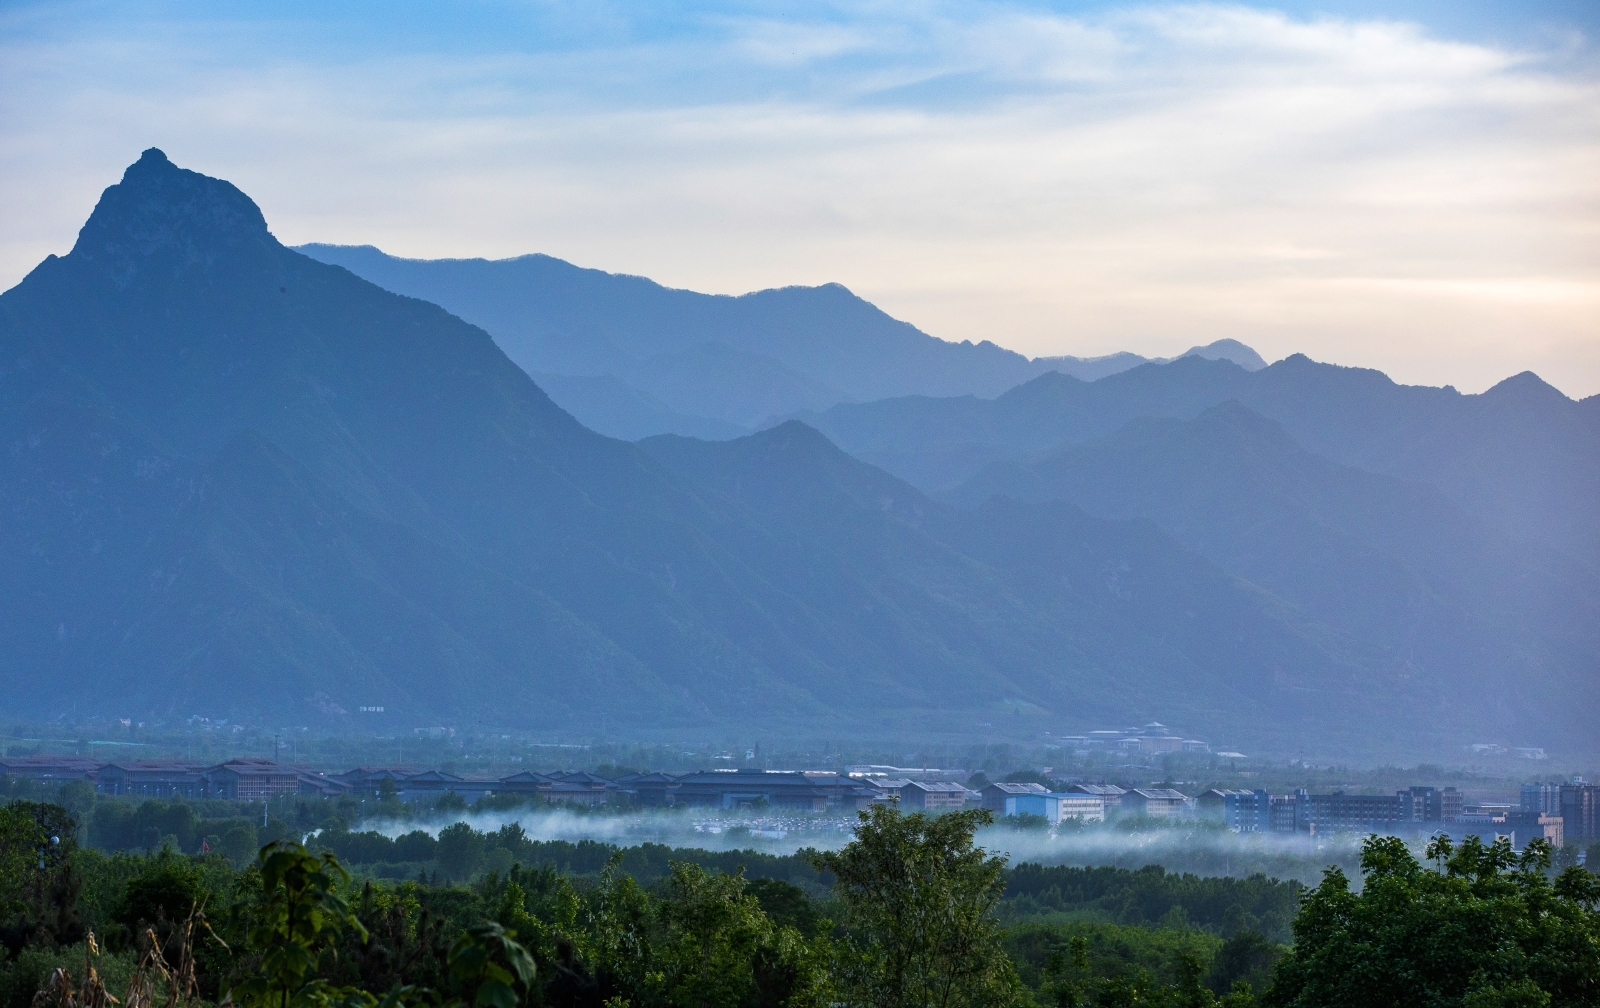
[(151, 778), (578, 788), (1057, 806), (650, 790), (316, 784), (1541, 798), (994, 795), (51, 769), (870, 770), (1160, 743), (1290, 813), (1235, 808), (1109, 791), (434, 784), (1430, 805), (249, 780), (1158, 803), (1340, 812), (369, 780), (1251, 811), (1552, 829), (788, 789), (1076, 805), (933, 795), (1580, 811)]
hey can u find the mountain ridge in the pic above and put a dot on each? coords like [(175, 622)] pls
[(1517, 456), (552, 317)]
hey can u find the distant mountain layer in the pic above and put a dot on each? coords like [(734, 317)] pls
[(741, 360), (1520, 457), (241, 481), (1386, 561)]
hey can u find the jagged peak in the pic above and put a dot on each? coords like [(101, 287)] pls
[(159, 210)]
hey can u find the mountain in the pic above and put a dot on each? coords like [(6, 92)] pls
[(741, 360), (1519, 457), (1116, 610), (1383, 560), (243, 482), (616, 409)]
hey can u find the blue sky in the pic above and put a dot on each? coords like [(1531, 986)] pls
[(1410, 186)]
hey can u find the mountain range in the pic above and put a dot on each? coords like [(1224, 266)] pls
[(1519, 457), (681, 362), (243, 482)]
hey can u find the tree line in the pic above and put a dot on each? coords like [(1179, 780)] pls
[(910, 916)]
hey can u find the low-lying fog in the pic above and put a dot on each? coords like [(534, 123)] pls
[(1199, 847)]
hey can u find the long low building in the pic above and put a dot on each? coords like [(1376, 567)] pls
[(1058, 806), (790, 789)]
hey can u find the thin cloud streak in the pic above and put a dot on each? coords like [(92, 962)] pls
[(1145, 179)]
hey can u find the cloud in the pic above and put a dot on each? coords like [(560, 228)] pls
[(1146, 177)]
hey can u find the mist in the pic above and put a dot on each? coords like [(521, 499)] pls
[(1188, 846)]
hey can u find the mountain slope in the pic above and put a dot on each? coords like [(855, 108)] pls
[(1382, 560), (244, 482), (739, 359), (1130, 619)]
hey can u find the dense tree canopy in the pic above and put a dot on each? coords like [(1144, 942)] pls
[(1482, 927)]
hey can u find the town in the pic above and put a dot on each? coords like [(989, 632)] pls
[(1560, 812)]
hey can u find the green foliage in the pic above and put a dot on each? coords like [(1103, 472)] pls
[(919, 899), (1102, 953), (164, 892), (21, 839), (460, 851), (297, 917), (1247, 957), (22, 976), (652, 927), (1482, 927), (1148, 895), (487, 961), (787, 905)]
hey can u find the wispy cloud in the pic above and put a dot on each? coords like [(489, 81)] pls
[(1144, 177)]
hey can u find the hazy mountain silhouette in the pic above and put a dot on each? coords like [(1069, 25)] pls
[(1114, 609), (1386, 561), (243, 481), (1519, 457), (741, 360)]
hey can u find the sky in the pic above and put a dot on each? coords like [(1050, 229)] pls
[(1412, 186)]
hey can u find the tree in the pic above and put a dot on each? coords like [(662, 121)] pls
[(162, 894), (239, 844), (786, 904), (1482, 927), (296, 919), (21, 840), (710, 932), (1247, 956), (488, 963), (919, 898), (460, 851)]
